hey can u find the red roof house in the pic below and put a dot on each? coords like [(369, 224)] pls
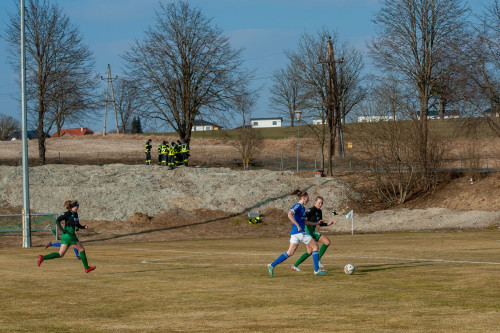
[(74, 131)]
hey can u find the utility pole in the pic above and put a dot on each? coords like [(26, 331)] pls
[(109, 81)]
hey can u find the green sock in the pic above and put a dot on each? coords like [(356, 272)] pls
[(301, 259), (83, 256), (322, 250), (52, 255)]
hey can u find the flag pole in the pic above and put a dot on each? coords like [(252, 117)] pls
[(350, 215)]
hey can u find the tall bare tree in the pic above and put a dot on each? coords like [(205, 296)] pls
[(414, 38), (288, 93), (185, 66), (129, 102), (328, 84), (58, 65), (485, 68)]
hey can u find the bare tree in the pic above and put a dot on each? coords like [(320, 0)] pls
[(484, 69), (8, 125), (248, 144), (351, 88), (185, 66), (328, 84), (129, 102), (243, 103), (288, 93), (414, 39), (58, 66)]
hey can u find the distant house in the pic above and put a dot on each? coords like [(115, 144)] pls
[(203, 125), (265, 122), (433, 114), (31, 135), (319, 122), (74, 131), (371, 119)]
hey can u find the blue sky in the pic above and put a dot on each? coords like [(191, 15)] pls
[(265, 28)]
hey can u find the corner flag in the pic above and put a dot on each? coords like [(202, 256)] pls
[(349, 215)]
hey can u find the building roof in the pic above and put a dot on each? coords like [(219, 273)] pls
[(32, 134), (201, 122), (275, 118), (74, 131)]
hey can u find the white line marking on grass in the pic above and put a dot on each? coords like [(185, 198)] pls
[(334, 257), (427, 260)]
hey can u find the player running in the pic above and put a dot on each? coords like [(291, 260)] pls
[(314, 217), (71, 225), (298, 234)]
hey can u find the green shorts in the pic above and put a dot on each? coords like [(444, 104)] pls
[(316, 236), (69, 238)]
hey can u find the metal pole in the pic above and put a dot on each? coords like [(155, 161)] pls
[(105, 110), (113, 97), (26, 196), (487, 161), (298, 145)]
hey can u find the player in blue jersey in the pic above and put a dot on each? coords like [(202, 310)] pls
[(298, 234)]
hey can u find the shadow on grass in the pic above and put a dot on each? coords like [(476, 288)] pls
[(245, 211), (385, 266)]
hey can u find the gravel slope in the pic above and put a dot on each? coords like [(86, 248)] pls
[(116, 192)]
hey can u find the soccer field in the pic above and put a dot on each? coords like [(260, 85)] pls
[(404, 282)]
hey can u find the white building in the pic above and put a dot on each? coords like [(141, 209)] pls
[(371, 119), (318, 122), (203, 125), (266, 122)]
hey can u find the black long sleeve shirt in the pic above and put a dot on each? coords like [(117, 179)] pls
[(70, 219)]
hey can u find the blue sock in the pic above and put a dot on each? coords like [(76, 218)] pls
[(76, 252), (315, 255), (280, 259), (56, 244)]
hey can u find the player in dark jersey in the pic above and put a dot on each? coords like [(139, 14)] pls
[(314, 217), (68, 238)]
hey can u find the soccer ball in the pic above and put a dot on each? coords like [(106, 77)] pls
[(349, 269)]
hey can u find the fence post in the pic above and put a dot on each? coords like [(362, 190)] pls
[(59, 158), (487, 161), (281, 162), (350, 159)]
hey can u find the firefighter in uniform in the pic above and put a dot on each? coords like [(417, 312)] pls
[(147, 150), (160, 155), (171, 156), (164, 152), (179, 157), (184, 153)]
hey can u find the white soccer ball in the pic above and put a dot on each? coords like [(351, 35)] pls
[(349, 269)]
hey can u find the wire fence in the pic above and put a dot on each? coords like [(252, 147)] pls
[(39, 222), (483, 161)]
